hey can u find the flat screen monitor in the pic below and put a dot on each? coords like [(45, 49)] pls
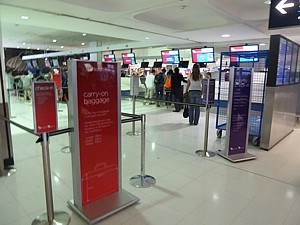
[(170, 56), (244, 53), (244, 48), (203, 55), (144, 64), (128, 58), (55, 62), (110, 58), (157, 64), (183, 64)]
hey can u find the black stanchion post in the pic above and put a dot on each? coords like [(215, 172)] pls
[(143, 180)]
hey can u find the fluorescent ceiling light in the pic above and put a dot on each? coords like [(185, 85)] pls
[(82, 43), (24, 17), (18, 46), (54, 41), (24, 43), (226, 35), (147, 38), (38, 49), (62, 46), (262, 44), (28, 47), (84, 34)]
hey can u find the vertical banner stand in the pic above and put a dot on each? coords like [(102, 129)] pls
[(239, 108), (51, 217), (95, 114), (205, 152), (142, 180), (134, 91), (133, 132)]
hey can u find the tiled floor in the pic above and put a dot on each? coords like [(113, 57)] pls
[(190, 190)]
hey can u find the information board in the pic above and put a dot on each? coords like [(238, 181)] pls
[(44, 106), (208, 91), (239, 111)]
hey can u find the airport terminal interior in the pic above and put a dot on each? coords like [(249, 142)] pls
[(189, 189)]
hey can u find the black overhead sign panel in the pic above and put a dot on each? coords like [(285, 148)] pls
[(284, 13)]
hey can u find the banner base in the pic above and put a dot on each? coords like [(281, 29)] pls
[(104, 207), (60, 218), (237, 157)]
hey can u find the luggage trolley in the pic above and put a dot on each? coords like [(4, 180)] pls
[(257, 60)]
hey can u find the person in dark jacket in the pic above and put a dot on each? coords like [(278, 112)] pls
[(159, 82), (176, 80)]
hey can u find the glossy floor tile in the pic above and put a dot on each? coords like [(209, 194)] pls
[(189, 190)]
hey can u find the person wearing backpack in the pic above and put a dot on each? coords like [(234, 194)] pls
[(159, 86), (168, 88)]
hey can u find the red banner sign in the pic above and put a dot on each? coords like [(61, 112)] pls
[(98, 128), (44, 107)]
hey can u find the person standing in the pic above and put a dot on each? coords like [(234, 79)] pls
[(176, 80), (159, 86), (168, 87), (194, 88), (149, 85)]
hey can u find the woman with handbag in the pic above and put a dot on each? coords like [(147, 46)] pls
[(194, 88)]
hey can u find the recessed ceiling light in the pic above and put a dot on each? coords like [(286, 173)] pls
[(54, 41), (38, 49), (24, 43), (147, 38), (82, 43), (226, 35), (47, 49), (18, 46), (62, 46), (268, 2), (28, 47), (84, 34), (24, 17)]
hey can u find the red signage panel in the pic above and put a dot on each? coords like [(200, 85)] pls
[(98, 128), (44, 106)]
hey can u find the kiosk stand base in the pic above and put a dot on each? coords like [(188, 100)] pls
[(203, 153), (60, 218), (237, 157), (142, 181), (104, 207)]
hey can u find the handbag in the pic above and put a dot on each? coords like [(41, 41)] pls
[(186, 111)]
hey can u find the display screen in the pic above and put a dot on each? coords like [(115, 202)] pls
[(55, 62), (157, 64), (170, 56), (128, 58), (287, 64), (183, 64), (243, 48), (281, 59), (144, 64), (294, 63), (110, 58), (244, 53), (204, 55)]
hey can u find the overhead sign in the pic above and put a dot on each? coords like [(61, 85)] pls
[(284, 13)]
